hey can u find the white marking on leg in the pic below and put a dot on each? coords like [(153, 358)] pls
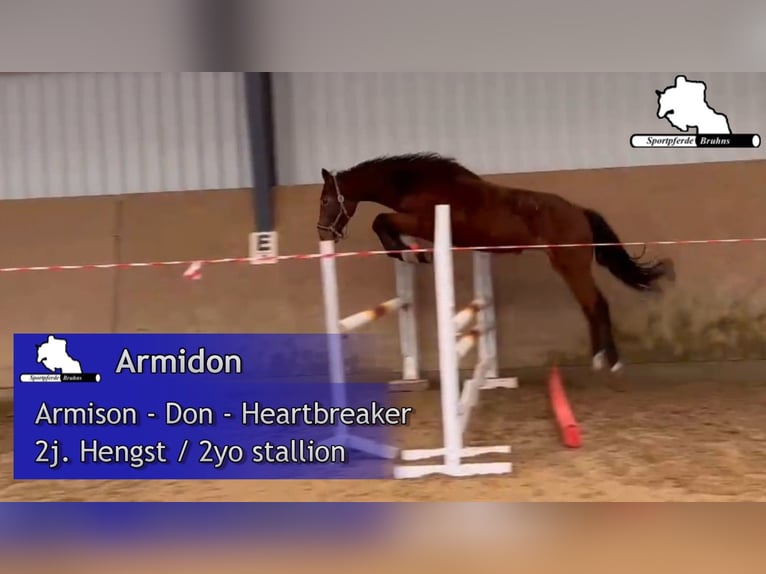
[(410, 242), (599, 360), (616, 367), (410, 257)]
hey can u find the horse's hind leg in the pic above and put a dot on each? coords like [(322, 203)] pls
[(574, 266)]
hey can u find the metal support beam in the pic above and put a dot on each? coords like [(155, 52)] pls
[(260, 121), (222, 47)]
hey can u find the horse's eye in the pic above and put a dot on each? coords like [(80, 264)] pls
[(324, 200)]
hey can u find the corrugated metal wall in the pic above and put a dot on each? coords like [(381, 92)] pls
[(494, 122), (71, 134), (75, 134)]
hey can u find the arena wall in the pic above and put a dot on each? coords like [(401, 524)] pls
[(495, 122), (105, 133), (98, 133), (716, 310)]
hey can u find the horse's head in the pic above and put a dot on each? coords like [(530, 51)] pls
[(680, 104), (49, 352), (335, 209)]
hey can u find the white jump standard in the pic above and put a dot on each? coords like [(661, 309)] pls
[(403, 304), (457, 405), (337, 363)]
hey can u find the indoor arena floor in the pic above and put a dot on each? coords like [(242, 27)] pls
[(648, 438)]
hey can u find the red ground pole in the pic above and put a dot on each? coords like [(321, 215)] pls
[(570, 430)]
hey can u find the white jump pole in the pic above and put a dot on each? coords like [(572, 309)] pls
[(403, 304), (335, 353), (485, 319), (332, 322), (444, 277), (408, 341), (486, 324), (452, 408)]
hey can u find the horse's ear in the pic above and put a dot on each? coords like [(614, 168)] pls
[(326, 176), (659, 93)]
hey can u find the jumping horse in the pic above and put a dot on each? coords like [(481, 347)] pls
[(485, 214)]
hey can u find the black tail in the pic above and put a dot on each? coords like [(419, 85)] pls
[(629, 270)]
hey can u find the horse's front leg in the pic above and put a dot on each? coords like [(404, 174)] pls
[(392, 227)]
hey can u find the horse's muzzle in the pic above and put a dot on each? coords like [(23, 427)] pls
[(327, 234)]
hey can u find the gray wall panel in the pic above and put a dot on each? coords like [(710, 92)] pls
[(72, 134), (494, 122)]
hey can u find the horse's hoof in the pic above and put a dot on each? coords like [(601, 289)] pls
[(599, 360), (617, 367), (409, 257)]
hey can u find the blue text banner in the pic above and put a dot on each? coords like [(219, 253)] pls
[(188, 406)]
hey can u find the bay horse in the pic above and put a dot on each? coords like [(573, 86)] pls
[(484, 215)]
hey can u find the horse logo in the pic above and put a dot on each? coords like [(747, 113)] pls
[(685, 106), (52, 354), (61, 366)]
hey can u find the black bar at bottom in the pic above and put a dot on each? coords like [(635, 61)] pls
[(80, 378), (729, 140)]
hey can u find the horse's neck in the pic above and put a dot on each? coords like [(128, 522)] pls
[(389, 197), (392, 190), (375, 188)]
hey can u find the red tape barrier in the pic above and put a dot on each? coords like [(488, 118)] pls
[(194, 267)]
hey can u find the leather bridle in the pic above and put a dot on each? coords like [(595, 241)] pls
[(332, 228)]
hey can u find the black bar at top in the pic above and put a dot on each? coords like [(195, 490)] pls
[(80, 378), (729, 140), (260, 118)]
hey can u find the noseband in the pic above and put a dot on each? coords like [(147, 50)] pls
[(341, 202)]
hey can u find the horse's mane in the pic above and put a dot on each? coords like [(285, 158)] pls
[(427, 164)]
